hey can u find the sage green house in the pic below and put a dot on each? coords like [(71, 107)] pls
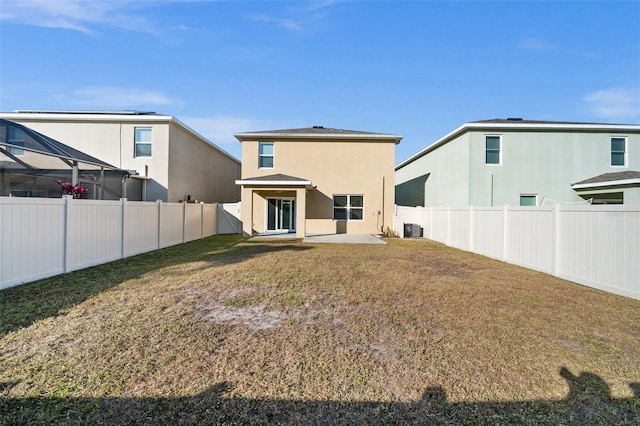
[(524, 162)]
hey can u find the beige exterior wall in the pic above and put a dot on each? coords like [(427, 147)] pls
[(181, 162), (189, 157), (334, 168)]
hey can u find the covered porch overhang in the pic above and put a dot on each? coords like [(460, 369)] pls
[(275, 185), (608, 188)]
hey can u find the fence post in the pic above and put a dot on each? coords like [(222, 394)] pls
[(159, 202), (184, 221), (431, 223), (201, 219), (123, 202), (555, 259), (65, 239), (448, 225), (505, 228), (472, 229)]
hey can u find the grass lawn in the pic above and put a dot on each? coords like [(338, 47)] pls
[(233, 331)]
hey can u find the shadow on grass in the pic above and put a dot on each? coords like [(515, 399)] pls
[(25, 304), (589, 402)]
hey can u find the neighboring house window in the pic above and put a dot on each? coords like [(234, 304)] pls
[(348, 207), (15, 137), (143, 141), (618, 151), (265, 155), (528, 200), (492, 150)]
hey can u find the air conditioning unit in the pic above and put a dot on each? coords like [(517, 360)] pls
[(412, 230)]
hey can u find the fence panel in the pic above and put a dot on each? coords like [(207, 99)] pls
[(209, 220), (171, 224), (598, 246), (192, 222), (94, 233), (488, 235), (439, 224), (43, 237), (459, 231), (31, 239), (229, 218), (529, 238), (140, 227)]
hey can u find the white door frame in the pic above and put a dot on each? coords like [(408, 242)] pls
[(278, 221)]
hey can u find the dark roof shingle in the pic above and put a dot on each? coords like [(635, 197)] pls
[(611, 177)]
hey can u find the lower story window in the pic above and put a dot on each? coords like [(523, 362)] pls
[(348, 207), (528, 200)]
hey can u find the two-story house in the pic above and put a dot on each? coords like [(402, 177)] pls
[(317, 181), (167, 160), (524, 162)]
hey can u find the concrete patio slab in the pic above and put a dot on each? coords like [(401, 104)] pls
[(344, 239)]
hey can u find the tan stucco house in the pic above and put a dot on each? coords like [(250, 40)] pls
[(167, 160), (317, 181)]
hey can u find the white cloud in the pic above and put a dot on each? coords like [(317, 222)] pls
[(287, 24), (77, 15), (317, 5), (617, 103), (108, 97), (534, 44)]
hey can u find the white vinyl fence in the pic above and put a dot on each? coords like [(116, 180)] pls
[(597, 246), (42, 237)]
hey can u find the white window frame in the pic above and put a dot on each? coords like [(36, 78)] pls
[(611, 152), (499, 163), (348, 208), (272, 156), (137, 143)]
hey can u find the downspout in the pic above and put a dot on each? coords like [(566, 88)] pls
[(144, 183), (382, 209), (74, 173), (101, 183), (120, 137), (491, 189), (124, 186)]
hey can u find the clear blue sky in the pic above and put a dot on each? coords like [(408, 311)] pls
[(418, 69)]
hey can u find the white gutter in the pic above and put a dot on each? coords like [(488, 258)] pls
[(273, 182)]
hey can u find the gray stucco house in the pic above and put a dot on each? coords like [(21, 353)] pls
[(524, 162)]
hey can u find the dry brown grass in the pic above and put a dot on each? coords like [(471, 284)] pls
[(227, 330)]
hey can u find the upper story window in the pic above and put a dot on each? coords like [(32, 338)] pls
[(143, 141), (492, 149), (618, 151), (15, 137), (348, 207), (266, 155)]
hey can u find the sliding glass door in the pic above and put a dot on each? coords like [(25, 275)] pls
[(281, 215)]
